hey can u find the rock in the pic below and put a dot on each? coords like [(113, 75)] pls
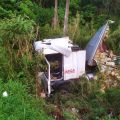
[(110, 64), (42, 95), (5, 94), (74, 110), (113, 73), (96, 77)]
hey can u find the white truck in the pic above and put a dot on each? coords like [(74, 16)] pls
[(66, 61)]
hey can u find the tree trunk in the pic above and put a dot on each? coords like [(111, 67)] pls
[(65, 30), (55, 19)]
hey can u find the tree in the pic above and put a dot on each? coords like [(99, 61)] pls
[(66, 18), (55, 19)]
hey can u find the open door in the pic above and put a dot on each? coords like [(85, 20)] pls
[(55, 61)]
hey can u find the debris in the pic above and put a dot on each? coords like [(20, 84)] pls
[(5, 94), (90, 76), (110, 114), (95, 77), (117, 60), (42, 95), (74, 110), (107, 63), (110, 64)]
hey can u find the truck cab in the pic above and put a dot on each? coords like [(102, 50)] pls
[(65, 61)]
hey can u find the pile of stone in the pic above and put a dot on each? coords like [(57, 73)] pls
[(106, 64)]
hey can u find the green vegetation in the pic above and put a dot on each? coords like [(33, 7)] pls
[(24, 21), (18, 105), (84, 100)]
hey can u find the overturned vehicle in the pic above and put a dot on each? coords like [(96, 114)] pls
[(66, 61)]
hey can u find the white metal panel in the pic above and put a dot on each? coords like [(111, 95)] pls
[(56, 41), (38, 46), (81, 61), (70, 67), (74, 65), (63, 50), (49, 51), (93, 45), (57, 45), (61, 45)]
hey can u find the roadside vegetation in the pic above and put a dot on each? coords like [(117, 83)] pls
[(24, 21)]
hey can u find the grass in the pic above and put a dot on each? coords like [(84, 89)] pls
[(18, 105)]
